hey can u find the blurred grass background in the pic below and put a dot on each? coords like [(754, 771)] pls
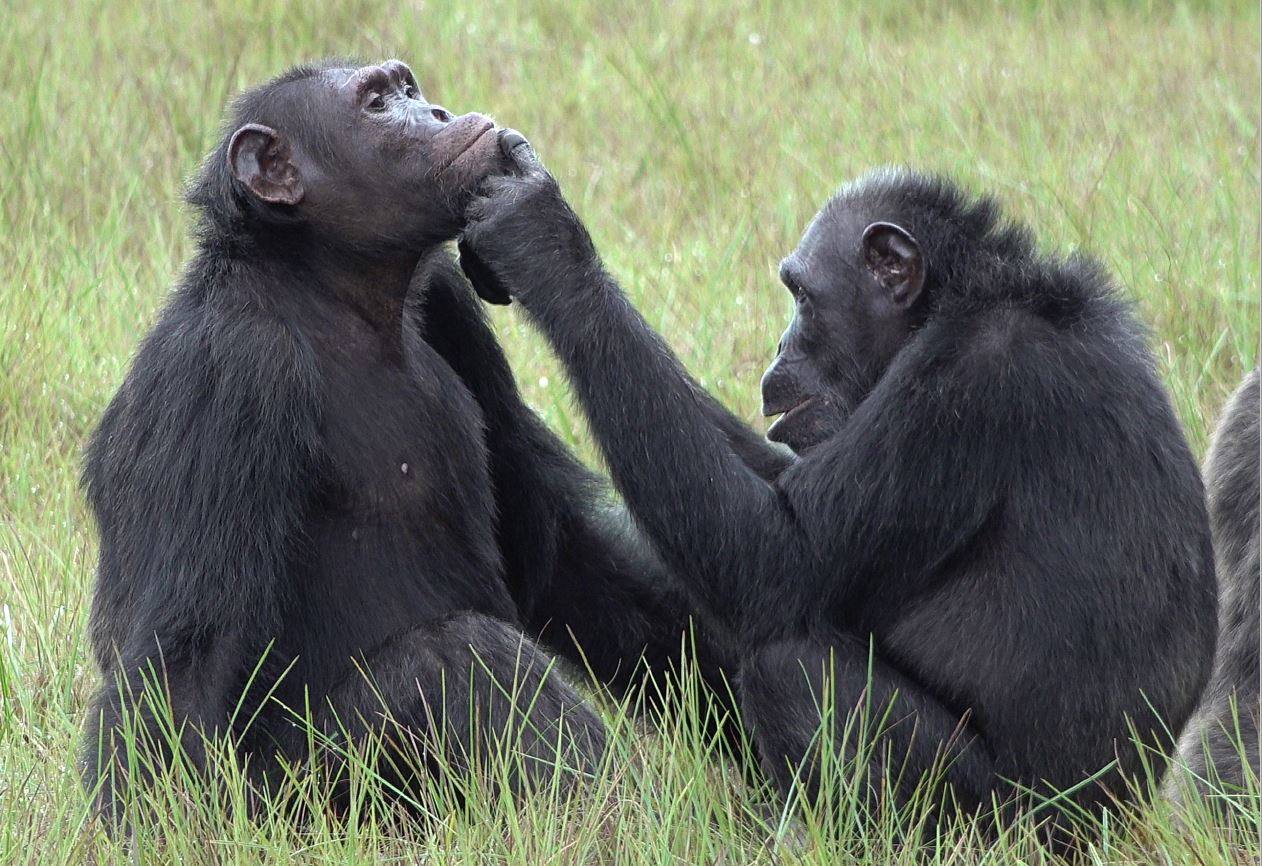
[(696, 139)]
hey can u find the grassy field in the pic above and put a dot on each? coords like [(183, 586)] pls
[(696, 139)]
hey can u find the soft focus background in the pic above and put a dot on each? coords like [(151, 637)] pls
[(696, 139)]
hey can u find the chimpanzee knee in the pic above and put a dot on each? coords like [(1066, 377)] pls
[(459, 695), (801, 697)]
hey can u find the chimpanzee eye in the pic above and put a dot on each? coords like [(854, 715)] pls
[(377, 103), (411, 92)]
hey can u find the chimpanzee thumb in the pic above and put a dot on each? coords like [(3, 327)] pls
[(518, 151)]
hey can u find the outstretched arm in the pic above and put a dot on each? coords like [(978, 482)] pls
[(198, 476), (712, 516)]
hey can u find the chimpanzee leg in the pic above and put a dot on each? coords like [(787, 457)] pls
[(907, 734), (458, 694)]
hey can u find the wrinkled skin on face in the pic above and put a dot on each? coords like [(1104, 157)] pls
[(856, 282), (367, 160)]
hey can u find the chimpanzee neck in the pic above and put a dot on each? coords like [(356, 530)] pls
[(373, 287)]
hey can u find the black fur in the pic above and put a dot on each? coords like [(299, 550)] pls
[(995, 490), (1227, 720), (311, 461)]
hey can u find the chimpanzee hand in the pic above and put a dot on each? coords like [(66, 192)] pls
[(519, 230)]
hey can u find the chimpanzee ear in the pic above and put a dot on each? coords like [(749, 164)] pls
[(261, 158), (893, 257)]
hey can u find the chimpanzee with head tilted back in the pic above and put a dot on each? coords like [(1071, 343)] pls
[(993, 534), (320, 459)]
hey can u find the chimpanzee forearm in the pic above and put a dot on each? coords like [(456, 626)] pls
[(765, 459), (710, 514)]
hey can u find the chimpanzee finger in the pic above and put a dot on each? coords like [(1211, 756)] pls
[(519, 151), (481, 277)]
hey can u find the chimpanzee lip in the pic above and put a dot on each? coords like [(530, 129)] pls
[(473, 139), (785, 413), (787, 416)]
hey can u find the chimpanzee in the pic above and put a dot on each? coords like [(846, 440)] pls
[(319, 459), (1222, 739), (993, 527)]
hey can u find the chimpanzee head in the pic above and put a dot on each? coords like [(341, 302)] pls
[(356, 157), (856, 278), (885, 255)]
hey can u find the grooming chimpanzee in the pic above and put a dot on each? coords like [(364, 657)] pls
[(320, 456), (993, 522), (1228, 718)]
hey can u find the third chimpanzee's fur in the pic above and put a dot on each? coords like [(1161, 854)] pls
[(320, 456), (1227, 721), (994, 522)]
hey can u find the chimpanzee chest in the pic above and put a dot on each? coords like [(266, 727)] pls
[(408, 442), (407, 515)]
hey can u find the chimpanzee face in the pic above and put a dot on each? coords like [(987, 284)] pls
[(854, 283), (364, 159)]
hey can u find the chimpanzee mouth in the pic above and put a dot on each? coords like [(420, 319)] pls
[(787, 418), (464, 148)]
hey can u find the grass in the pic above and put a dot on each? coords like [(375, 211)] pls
[(696, 139)]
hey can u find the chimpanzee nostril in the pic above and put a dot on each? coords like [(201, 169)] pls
[(441, 114)]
